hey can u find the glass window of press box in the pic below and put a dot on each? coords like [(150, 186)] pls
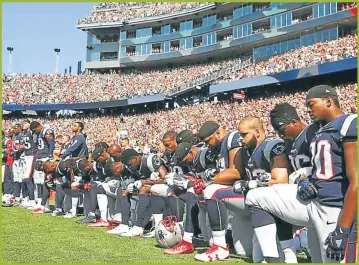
[(145, 32), (242, 11), (281, 20), (275, 4), (303, 40), (209, 39), (186, 43), (209, 20), (166, 29), (123, 35), (186, 25), (165, 46), (242, 31), (324, 9), (144, 49)]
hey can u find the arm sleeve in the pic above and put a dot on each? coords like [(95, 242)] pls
[(75, 144)]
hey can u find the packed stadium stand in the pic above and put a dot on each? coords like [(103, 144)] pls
[(151, 67)]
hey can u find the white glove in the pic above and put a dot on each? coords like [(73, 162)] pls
[(296, 175), (155, 176), (113, 183), (77, 178), (138, 184), (130, 187), (181, 182), (169, 178), (263, 179)]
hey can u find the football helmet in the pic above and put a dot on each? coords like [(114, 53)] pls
[(168, 232), (8, 200)]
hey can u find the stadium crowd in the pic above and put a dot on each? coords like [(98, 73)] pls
[(118, 12), (187, 117), (49, 88), (305, 56)]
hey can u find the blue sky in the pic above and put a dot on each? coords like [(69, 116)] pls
[(35, 29)]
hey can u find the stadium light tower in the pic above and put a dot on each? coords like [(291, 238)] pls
[(57, 50), (10, 50)]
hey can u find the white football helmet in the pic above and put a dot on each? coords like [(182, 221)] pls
[(168, 232), (8, 200)]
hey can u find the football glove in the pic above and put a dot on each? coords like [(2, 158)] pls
[(138, 184), (306, 190), (130, 187), (155, 176), (180, 182), (209, 174), (337, 241), (169, 179), (263, 179), (241, 186), (199, 186), (295, 177)]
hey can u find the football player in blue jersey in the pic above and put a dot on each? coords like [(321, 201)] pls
[(219, 195), (326, 199), (266, 164)]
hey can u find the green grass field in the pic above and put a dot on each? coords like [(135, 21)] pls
[(46, 239)]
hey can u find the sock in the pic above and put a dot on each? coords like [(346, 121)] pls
[(188, 237), (158, 218), (219, 238), (102, 205), (288, 247), (75, 201), (265, 235), (91, 214), (117, 217)]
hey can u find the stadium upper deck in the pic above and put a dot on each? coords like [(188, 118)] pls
[(148, 34)]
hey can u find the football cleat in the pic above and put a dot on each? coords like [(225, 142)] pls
[(87, 220), (214, 253), (31, 205), (70, 215), (150, 234), (182, 247), (24, 204), (57, 213), (40, 211), (119, 230), (133, 232), (99, 223)]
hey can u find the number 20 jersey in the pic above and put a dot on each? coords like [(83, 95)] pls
[(329, 170)]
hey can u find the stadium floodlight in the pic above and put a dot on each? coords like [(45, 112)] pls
[(57, 50), (10, 50)]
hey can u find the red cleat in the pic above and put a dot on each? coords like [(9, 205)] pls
[(38, 211), (99, 223), (182, 247)]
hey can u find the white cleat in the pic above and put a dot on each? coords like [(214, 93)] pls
[(214, 253), (24, 204), (150, 234), (119, 230), (133, 232), (70, 215), (31, 205)]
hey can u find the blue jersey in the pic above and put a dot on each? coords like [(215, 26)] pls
[(204, 159), (299, 151), (231, 141), (16, 140), (43, 147), (29, 142), (260, 161), (77, 147), (329, 169)]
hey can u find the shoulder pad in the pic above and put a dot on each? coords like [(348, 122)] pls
[(275, 147), (153, 162), (349, 127), (234, 140)]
